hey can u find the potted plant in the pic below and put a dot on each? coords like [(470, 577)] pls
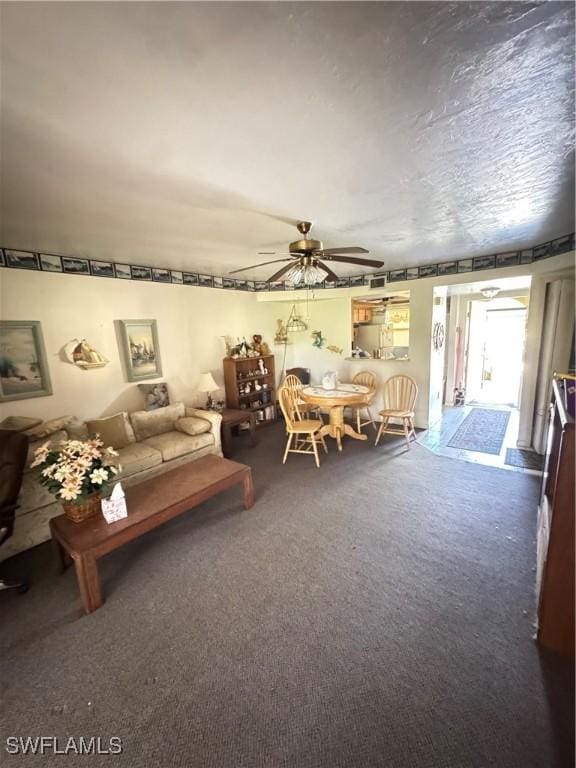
[(76, 472)]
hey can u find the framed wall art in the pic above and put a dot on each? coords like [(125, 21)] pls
[(139, 348), (23, 364)]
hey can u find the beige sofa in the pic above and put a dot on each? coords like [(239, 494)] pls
[(149, 443)]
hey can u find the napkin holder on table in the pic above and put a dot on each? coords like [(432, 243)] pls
[(115, 508)]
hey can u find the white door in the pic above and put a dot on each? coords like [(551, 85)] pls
[(495, 353)]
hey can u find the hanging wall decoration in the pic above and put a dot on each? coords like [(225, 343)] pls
[(83, 355), (23, 365), (140, 349)]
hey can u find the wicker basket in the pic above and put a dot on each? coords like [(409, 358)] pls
[(79, 512)]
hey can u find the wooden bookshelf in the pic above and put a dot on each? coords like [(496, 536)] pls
[(238, 372)]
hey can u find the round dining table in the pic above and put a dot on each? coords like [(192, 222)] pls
[(334, 401)]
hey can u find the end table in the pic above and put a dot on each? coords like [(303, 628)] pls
[(232, 417)]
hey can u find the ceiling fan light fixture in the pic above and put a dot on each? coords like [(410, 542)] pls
[(305, 274), (490, 291)]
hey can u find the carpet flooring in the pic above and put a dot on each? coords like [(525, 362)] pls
[(378, 611), (482, 430)]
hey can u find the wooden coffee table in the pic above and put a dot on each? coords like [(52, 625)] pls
[(150, 504)]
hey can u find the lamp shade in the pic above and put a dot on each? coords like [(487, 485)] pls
[(206, 383)]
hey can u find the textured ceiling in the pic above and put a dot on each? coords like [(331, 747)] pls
[(189, 135)]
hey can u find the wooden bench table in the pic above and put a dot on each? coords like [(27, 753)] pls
[(150, 504)]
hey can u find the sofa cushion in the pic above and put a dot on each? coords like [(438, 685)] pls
[(174, 444), (192, 425), (150, 423), (19, 423), (115, 431), (137, 457), (48, 428)]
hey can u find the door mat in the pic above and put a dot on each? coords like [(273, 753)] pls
[(482, 430), (517, 457)]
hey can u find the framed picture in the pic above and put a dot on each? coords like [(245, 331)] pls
[(141, 273), (123, 271), (507, 259), (260, 285), (205, 281), (161, 275), (430, 270), (23, 365), (176, 277), (412, 273), (50, 263), (21, 259), (139, 348), (217, 282), (75, 266), (448, 268), (542, 251), (562, 244), (2, 260), (356, 281), (397, 274), (102, 268), (189, 278), (483, 262), (228, 282), (526, 256), (465, 265)]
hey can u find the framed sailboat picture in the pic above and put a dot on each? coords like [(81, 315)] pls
[(138, 340)]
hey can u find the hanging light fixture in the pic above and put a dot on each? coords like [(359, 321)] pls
[(295, 323), (490, 291), (305, 272)]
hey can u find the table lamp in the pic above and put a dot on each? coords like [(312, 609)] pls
[(207, 384)]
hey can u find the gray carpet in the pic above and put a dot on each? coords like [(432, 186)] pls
[(483, 430), (376, 612)]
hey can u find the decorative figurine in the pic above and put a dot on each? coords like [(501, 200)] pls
[(281, 336)]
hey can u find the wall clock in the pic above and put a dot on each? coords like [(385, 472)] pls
[(438, 335)]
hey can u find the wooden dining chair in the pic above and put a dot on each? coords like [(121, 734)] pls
[(400, 393), (304, 409), (303, 434), (365, 379)]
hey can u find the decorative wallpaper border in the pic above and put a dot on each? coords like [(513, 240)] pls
[(72, 265)]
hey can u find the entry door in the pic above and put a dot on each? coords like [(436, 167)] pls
[(495, 354)]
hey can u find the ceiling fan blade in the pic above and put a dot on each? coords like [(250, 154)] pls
[(332, 277), (352, 260), (263, 264), (351, 249), (280, 272)]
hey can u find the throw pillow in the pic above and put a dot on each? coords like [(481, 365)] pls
[(150, 423), (114, 431), (156, 395), (191, 425), (19, 423), (48, 428)]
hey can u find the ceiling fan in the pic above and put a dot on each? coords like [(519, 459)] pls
[(306, 259)]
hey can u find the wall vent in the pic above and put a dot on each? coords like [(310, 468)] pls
[(378, 282)]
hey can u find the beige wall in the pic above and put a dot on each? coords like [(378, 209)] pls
[(333, 317), (190, 322)]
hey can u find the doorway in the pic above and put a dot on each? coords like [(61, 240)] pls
[(495, 351)]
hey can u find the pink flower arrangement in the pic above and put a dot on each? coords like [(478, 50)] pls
[(74, 469)]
